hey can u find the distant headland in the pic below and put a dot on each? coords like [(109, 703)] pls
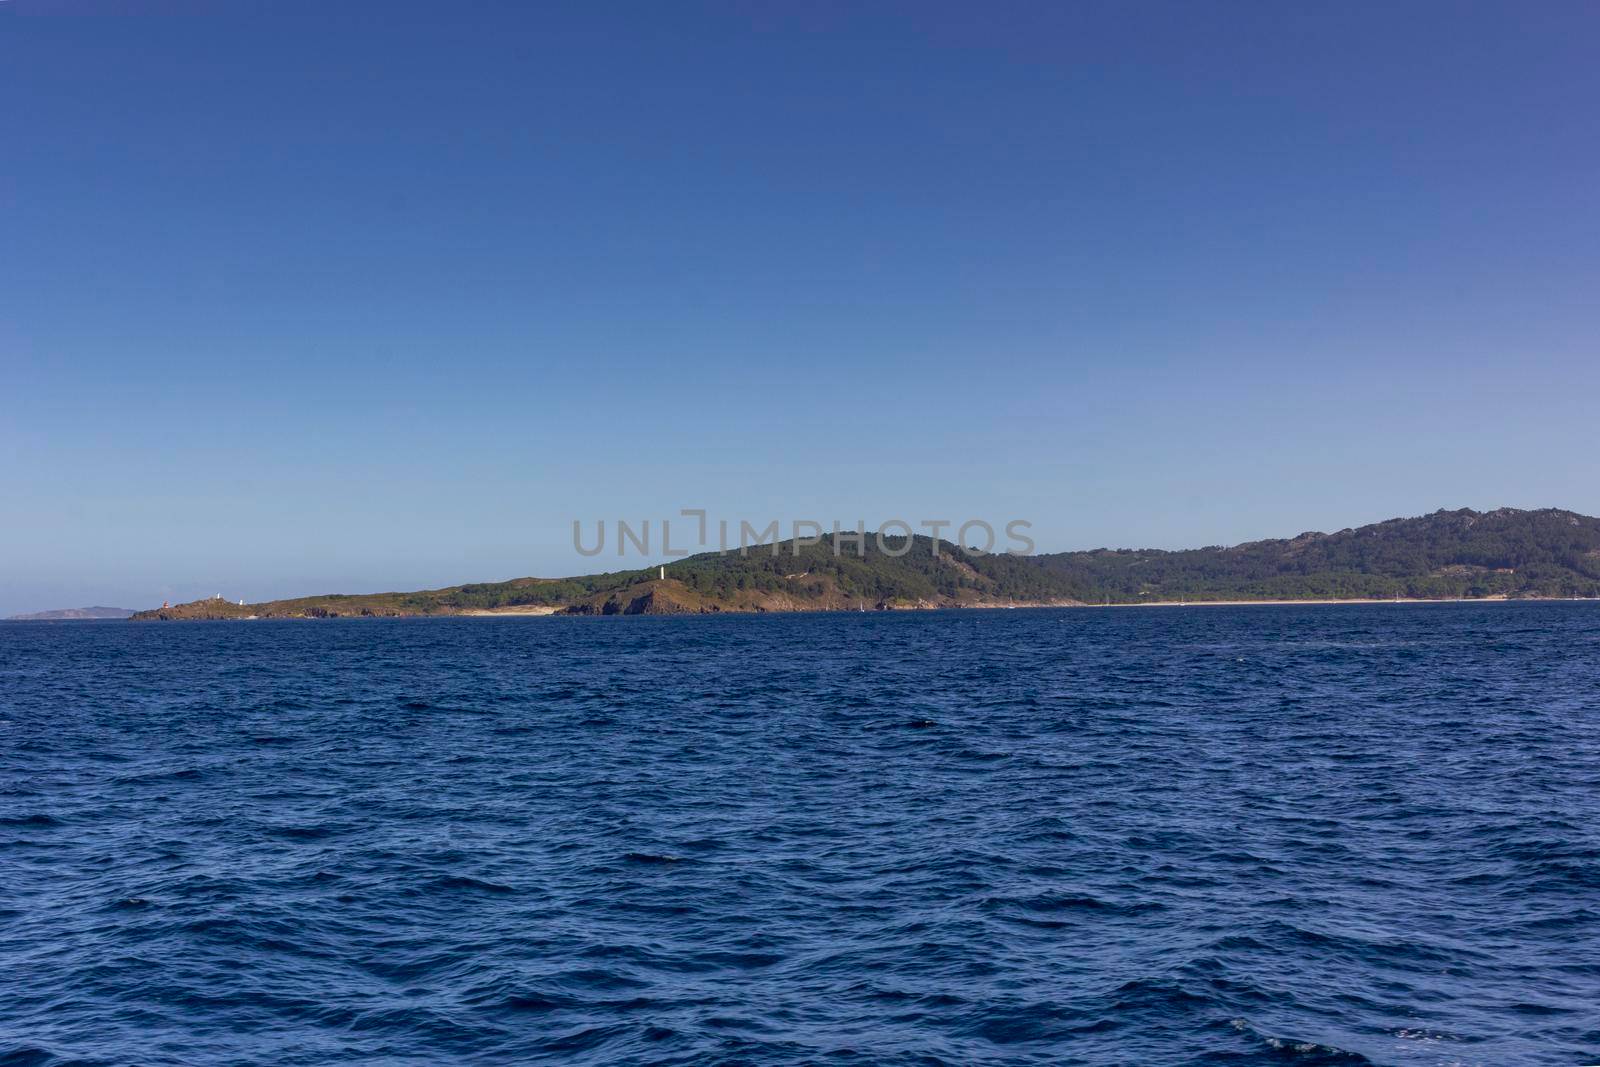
[(1448, 555), (73, 613)]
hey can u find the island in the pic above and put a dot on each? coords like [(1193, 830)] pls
[(1448, 555)]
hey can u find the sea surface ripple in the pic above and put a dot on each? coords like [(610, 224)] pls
[(1218, 835)]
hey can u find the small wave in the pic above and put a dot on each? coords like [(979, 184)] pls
[(462, 881), (705, 844), (30, 820), (583, 1040), (1305, 1053), (1058, 911), (130, 903), (743, 961), (598, 978), (301, 833), (980, 756), (1157, 995), (182, 774), (541, 1002)]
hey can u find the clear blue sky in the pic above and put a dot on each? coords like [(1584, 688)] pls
[(313, 297)]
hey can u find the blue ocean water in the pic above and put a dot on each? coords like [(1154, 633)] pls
[(1278, 835)]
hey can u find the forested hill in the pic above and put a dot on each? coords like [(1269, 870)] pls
[(1546, 553), (1504, 553)]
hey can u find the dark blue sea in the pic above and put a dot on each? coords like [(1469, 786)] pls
[(1208, 835)]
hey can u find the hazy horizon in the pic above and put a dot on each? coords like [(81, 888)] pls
[(316, 301)]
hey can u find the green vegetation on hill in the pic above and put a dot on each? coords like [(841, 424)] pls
[(1504, 553), (1547, 553)]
